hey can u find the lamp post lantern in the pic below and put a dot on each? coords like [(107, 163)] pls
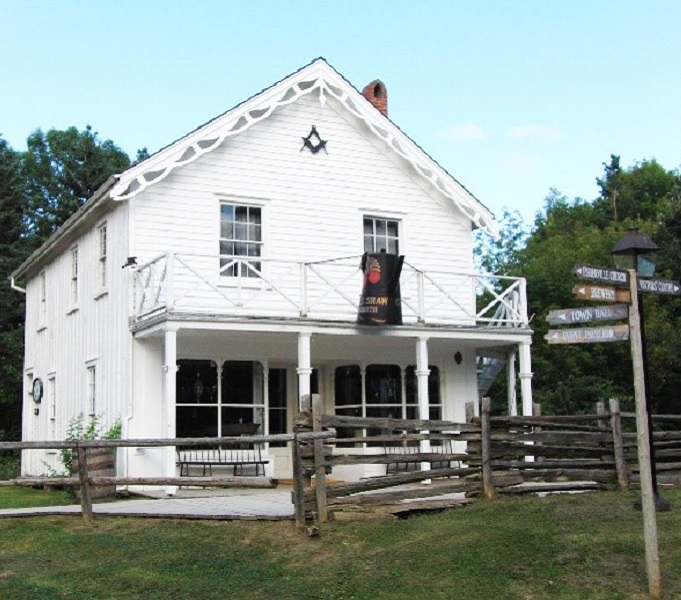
[(636, 251)]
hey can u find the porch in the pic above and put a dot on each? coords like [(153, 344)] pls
[(245, 348), (323, 290)]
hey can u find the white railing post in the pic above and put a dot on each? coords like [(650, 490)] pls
[(421, 303), (522, 303), (303, 289), (170, 281)]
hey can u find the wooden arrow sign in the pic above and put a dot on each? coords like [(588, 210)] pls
[(611, 276), (565, 316), (588, 335), (659, 286), (601, 293)]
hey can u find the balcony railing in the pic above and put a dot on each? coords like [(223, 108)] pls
[(326, 290)]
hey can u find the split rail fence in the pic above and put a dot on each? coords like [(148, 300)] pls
[(484, 457)]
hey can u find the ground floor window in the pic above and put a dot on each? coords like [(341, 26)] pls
[(232, 403), (386, 391), (276, 410)]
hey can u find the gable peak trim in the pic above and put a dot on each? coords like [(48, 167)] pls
[(320, 77)]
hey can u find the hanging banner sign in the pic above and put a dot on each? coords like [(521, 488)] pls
[(588, 335), (659, 286), (588, 314), (601, 293), (611, 276)]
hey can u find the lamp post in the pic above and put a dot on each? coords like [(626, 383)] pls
[(636, 251)]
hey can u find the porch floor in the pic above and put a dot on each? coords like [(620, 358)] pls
[(233, 504)]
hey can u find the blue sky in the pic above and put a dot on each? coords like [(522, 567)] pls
[(512, 98)]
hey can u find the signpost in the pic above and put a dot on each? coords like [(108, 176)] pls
[(601, 293), (588, 314), (621, 278), (588, 335)]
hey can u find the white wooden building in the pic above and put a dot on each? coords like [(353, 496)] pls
[(218, 281)]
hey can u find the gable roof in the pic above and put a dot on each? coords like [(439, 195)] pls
[(317, 77)]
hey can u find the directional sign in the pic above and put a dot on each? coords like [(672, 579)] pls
[(659, 286), (588, 335), (601, 293), (611, 276), (566, 316)]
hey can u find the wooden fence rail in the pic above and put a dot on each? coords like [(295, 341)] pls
[(494, 455), (84, 481), (485, 456)]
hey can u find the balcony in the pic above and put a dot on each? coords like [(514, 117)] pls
[(327, 290)]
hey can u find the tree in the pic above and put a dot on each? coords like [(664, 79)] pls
[(63, 169), (572, 378), (500, 254), (14, 248), (637, 193)]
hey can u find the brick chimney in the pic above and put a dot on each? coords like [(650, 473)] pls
[(377, 94)]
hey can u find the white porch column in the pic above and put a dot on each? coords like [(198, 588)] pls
[(511, 377), (304, 365), (525, 375), (422, 372), (169, 399)]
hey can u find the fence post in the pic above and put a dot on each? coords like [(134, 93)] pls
[(536, 412), (470, 411), (83, 476), (601, 412), (298, 484), (319, 466), (618, 445), (486, 449)]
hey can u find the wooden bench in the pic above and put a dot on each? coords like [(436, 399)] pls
[(411, 448), (238, 457)]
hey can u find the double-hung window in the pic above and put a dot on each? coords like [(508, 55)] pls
[(381, 235), (74, 276), (43, 299), (102, 255), (91, 388), (240, 240)]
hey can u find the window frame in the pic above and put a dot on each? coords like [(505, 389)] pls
[(52, 396), (73, 281), (42, 316), (375, 236), (220, 400), (240, 273), (91, 387), (103, 251), (408, 392)]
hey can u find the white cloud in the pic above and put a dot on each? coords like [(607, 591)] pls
[(519, 163), (535, 131), (465, 131)]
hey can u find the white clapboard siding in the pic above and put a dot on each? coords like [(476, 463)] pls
[(69, 340), (312, 208)]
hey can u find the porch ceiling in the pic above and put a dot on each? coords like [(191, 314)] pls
[(334, 343)]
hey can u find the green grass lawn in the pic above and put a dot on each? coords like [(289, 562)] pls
[(578, 546), (21, 497)]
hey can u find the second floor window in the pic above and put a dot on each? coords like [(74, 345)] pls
[(381, 235), (43, 298), (102, 255), (74, 275), (240, 240)]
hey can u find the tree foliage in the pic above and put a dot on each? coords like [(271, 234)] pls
[(39, 190), (13, 250), (62, 170), (571, 378)]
